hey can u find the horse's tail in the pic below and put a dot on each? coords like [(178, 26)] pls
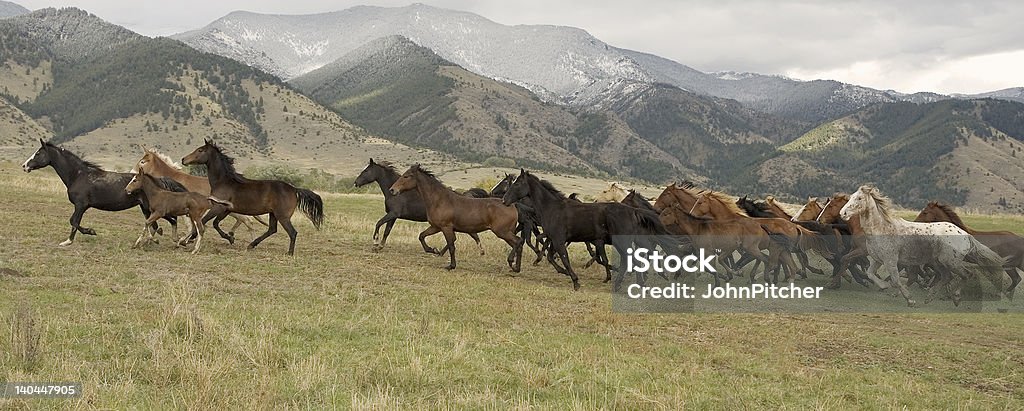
[(780, 238), (990, 263), (311, 205), (812, 241)]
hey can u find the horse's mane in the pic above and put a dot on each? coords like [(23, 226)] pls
[(547, 186), (729, 204), (85, 163), (953, 216), (228, 164), (388, 166), (882, 203), (165, 158), (644, 203), (752, 207)]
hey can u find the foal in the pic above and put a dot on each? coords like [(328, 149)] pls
[(168, 203)]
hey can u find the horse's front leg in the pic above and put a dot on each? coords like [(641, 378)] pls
[(388, 219), (476, 238), (218, 213), (423, 240)]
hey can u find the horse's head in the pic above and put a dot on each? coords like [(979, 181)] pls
[(859, 203), (40, 159), (830, 211), (614, 193), (810, 210), (145, 163), (932, 213), (136, 183), (702, 206), (407, 181), (518, 189), (501, 187), (201, 155), (369, 174)]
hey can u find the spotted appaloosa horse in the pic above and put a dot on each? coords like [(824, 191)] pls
[(892, 240)]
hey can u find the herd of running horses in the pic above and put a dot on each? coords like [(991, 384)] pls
[(858, 233)]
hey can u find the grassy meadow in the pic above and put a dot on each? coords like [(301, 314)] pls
[(339, 326)]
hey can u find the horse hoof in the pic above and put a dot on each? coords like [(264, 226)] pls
[(575, 285), (88, 231), (65, 243), (449, 267), (911, 303)]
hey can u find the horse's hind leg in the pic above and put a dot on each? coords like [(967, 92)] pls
[(476, 238), (292, 234), (449, 238), (271, 229), (217, 214), (199, 229), (388, 219)]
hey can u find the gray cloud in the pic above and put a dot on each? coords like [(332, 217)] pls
[(903, 40)]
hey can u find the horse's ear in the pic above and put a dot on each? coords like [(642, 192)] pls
[(208, 141), (371, 161), (42, 143)]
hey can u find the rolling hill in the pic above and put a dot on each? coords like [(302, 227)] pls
[(963, 152), (65, 69)]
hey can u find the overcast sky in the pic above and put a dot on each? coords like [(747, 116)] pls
[(942, 46)]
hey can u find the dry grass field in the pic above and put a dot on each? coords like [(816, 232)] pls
[(338, 326)]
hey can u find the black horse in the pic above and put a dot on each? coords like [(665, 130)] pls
[(89, 186), (407, 205), (566, 221), (529, 223)]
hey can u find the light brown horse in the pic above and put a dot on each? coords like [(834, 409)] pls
[(809, 212), (682, 194), (1005, 243), (254, 197), (719, 206), (449, 212), (742, 235), (774, 207), (158, 165), (168, 203)]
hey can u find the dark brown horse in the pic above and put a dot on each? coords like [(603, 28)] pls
[(89, 186), (858, 248), (254, 197), (405, 206), (1007, 244), (449, 212)]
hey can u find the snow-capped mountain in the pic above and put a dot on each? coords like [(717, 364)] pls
[(558, 63)]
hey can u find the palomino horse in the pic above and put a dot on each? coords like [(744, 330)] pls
[(407, 205), (1007, 244), (566, 221), (168, 203), (254, 197), (892, 240), (89, 186), (158, 165), (449, 212), (614, 193)]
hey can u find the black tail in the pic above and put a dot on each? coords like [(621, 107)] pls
[(311, 205), (779, 238)]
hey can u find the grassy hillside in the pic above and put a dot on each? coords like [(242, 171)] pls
[(340, 326), (962, 152)]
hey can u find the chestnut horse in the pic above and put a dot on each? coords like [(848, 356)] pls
[(164, 202), (254, 197), (1007, 244), (449, 212)]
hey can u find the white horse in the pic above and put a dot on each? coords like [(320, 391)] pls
[(613, 194), (892, 240)]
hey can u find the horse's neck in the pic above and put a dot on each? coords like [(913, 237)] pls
[(217, 174), (961, 224), (872, 222), (721, 211), (67, 170), (432, 191), (779, 212), (149, 186), (541, 196), (385, 182), (191, 182)]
